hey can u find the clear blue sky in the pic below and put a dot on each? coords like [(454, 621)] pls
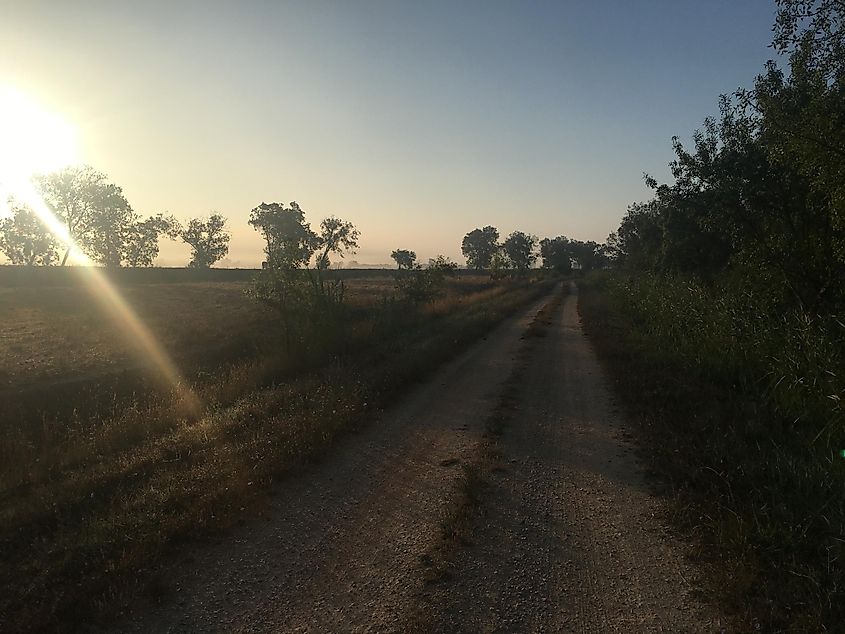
[(418, 121)]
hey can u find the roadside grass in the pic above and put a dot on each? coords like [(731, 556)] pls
[(92, 504), (737, 407)]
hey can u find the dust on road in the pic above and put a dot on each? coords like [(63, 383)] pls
[(565, 539)]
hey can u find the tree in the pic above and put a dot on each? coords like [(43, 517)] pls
[(589, 254), (500, 265), (556, 254), (521, 249), (142, 247), (290, 242), (309, 302), (336, 236), (610, 249), (208, 239), (117, 236), (94, 211), (751, 197), (479, 245), (404, 259), (109, 234), (814, 31), (25, 240), (443, 264)]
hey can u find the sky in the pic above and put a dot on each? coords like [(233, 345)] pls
[(418, 121)]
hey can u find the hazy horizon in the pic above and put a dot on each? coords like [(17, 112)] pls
[(416, 122)]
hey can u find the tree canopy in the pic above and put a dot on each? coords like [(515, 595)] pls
[(95, 212), (761, 189), (479, 245), (336, 236), (25, 240), (290, 242), (521, 249), (556, 254), (404, 258), (208, 239)]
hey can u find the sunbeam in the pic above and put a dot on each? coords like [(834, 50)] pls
[(35, 140), (112, 301)]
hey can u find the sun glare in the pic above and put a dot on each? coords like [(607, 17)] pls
[(33, 140)]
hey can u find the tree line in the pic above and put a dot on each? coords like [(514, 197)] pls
[(518, 253), (730, 288), (96, 218), (761, 190)]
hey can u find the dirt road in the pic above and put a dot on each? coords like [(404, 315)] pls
[(564, 537)]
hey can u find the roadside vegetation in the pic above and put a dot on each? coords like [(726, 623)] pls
[(94, 501), (723, 324)]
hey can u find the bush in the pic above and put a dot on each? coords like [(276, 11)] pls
[(420, 284), (310, 304)]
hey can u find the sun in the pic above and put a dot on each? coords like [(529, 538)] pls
[(33, 140)]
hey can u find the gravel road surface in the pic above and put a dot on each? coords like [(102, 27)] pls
[(564, 537)]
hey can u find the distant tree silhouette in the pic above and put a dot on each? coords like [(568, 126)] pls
[(556, 254), (500, 264), (589, 255), (142, 246), (309, 302), (404, 259), (338, 237), (442, 263), (118, 236), (479, 245), (419, 284), (94, 211), (290, 242), (25, 240), (521, 250), (208, 239)]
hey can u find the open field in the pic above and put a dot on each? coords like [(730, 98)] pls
[(104, 471), (61, 332), (58, 331)]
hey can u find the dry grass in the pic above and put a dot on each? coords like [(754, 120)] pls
[(93, 497), (62, 331)]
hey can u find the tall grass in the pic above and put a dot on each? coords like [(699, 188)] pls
[(743, 399)]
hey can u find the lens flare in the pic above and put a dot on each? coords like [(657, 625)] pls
[(34, 140), (115, 305), (108, 296)]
